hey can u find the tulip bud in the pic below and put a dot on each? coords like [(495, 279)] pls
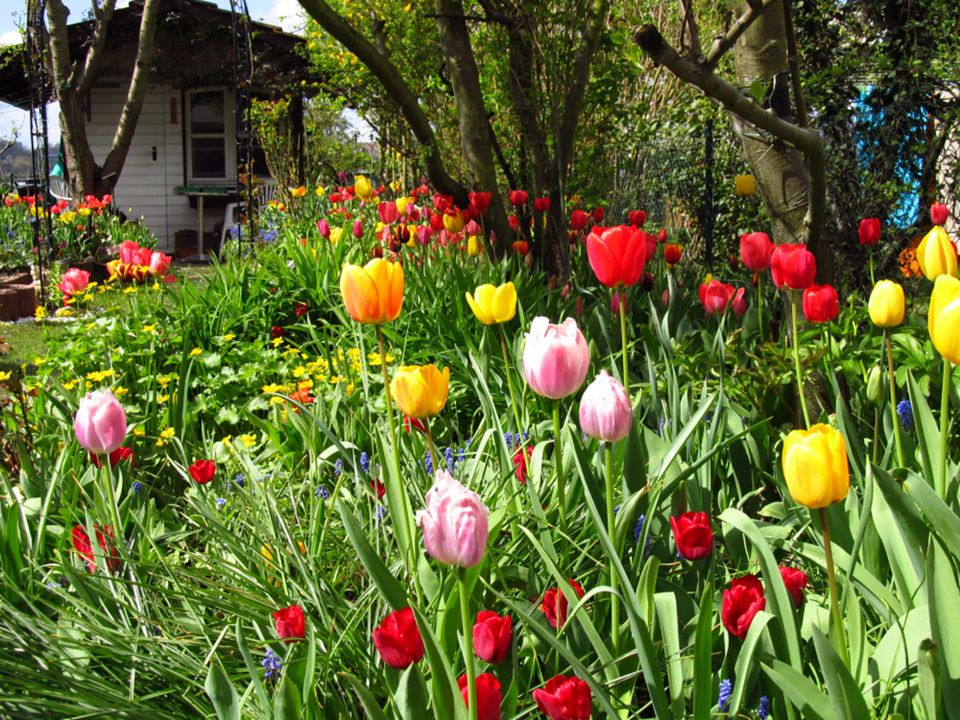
[(493, 304), (745, 185), (489, 695), (290, 623), (398, 639), (741, 603), (943, 319), (100, 424), (939, 213), (815, 466), (420, 391), (793, 266), (869, 231), (936, 254), (358, 229), (887, 307), (454, 523), (492, 636), (555, 358), (564, 698), (605, 412), (874, 388)]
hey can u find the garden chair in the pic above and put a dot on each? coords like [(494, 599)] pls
[(265, 191), (60, 188)]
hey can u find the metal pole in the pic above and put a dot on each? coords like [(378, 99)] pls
[(39, 148), (708, 212)]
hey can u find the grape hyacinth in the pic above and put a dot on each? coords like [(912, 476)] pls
[(905, 411), (763, 710), (381, 511), (220, 502), (338, 467), (448, 458), (271, 663), (322, 492), (137, 486), (726, 690), (365, 462), (428, 463), (239, 479)]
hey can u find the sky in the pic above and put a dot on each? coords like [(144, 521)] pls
[(284, 13)]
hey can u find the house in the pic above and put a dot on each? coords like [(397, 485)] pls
[(188, 133)]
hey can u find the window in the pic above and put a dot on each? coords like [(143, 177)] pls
[(209, 136)]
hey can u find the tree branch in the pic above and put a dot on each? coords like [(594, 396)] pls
[(688, 21), (724, 42), (88, 67)]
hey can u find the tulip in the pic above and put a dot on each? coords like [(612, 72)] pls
[(741, 603), (420, 391), (100, 423), (555, 358), (373, 293), (617, 255), (578, 220), (605, 412), (693, 535), (84, 548), (517, 198), (943, 319), (388, 212), (815, 466), (597, 214), (756, 250), (939, 213), (793, 266), (796, 582), (115, 458), (541, 204), (335, 235), (454, 523), (363, 188), (887, 305), (493, 304), (637, 218), (521, 247), (479, 202), (739, 303), (202, 471), (290, 623), (745, 185), (618, 301), (672, 253), (73, 281), (492, 636), (554, 604), (489, 696), (453, 221), (820, 303), (520, 458), (159, 263), (402, 203), (398, 639), (564, 698), (936, 254), (715, 296), (358, 229), (869, 231)]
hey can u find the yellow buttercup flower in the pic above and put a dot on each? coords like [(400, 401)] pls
[(886, 304), (195, 352), (815, 466), (4, 376), (168, 433), (494, 304), (943, 319), (420, 391), (936, 254)]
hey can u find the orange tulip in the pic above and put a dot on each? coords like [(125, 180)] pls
[(373, 293)]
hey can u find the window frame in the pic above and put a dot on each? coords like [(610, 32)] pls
[(228, 135)]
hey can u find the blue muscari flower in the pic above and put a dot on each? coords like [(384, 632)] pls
[(271, 663), (616, 509), (905, 411), (638, 528), (137, 486), (381, 511), (239, 479), (526, 436), (338, 467), (322, 492), (428, 463), (365, 462), (763, 710), (461, 455), (448, 457), (508, 438), (220, 502), (726, 690)]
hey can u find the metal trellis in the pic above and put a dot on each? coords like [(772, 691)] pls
[(36, 70), (243, 108)]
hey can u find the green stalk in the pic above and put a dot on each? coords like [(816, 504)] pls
[(506, 370), (611, 531), (561, 480), (893, 398), (760, 305), (623, 335), (944, 429), (468, 642), (796, 356), (430, 445), (870, 254), (840, 639)]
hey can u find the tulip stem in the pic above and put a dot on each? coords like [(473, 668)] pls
[(760, 305), (506, 370), (870, 255), (434, 458), (839, 635), (794, 299), (622, 302), (893, 398), (944, 429), (561, 480), (612, 532), (467, 642)]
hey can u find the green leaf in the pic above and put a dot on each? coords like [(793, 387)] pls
[(943, 593), (385, 581), (845, 695), (446, 693), (703, 658), (801, 691), (411, 697), (667, 622), (745, 660), (370, 705), (943, 520), (286, 704), (226, 701)]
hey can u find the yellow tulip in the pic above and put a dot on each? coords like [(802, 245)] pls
[(335, 234), (420, 391), (494, 304), (944, 317), (402, 203), (936, 254), (473, 246), (320, 191), (373, 293), (453, 221), (886, 304), (363, 188), (745, 184), (815, 466)]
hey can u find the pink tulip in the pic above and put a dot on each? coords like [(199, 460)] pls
[(159, 263), (100, 423), (616, 301), (605, 412), (73, 281), (454, 523), (471, 228), (388, 212), (555, 358), (358, 229), (424, 233), (715, 296), (127, 250), (740, 302), (323, 227)]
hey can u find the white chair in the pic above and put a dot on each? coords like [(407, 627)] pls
[(265, 191), (60, 188)]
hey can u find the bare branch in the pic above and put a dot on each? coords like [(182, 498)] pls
[(724, 42), (688, 22), (88, 67)]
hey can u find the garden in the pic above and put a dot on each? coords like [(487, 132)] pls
[(391, 455)]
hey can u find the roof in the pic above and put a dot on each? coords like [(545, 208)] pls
[(278, 54)]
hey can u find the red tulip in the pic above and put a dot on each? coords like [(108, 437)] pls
[(388, 213), (578, 220), (300, 309), (276, 332), (541, 204), (598, 215), (520, 463), (517, 198), (740, 302), (793, 266), (796, 582), (564, 698), (637, 218), (869, 231), (741, 602), (617, 255), (290, 623), (521, 247), (489, 695), (398, 639), (662, 235), (939, 213), (116, 457), (479, 202), (442, 202), (492, 636), (83, 547), (693, 535), (820, 303), (358, 229), (672, 253), (756, 250), (202, 471), (715, 296), (554, 604), (436, 222)]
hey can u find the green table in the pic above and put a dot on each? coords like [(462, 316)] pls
[(200, 192)]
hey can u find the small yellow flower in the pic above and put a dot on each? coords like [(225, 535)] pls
[(130, 290), (248, 440), (320, 191), (4, 376), (120, 391), (277, 342), (139, 431), (163, 381), (40, 313), (38, 361), (168, 433), (196, 351), (350, 388), (70, 385), (160, 442), (64, 312), (228, 337), (227, 440), (149, 328), (161, 399)]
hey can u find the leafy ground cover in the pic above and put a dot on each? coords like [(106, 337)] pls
[(274, 534)]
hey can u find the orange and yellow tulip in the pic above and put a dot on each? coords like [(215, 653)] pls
[(373, 293)]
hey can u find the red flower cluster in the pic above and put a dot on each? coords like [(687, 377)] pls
[(83, 547), (745, 598), (138, 263)]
